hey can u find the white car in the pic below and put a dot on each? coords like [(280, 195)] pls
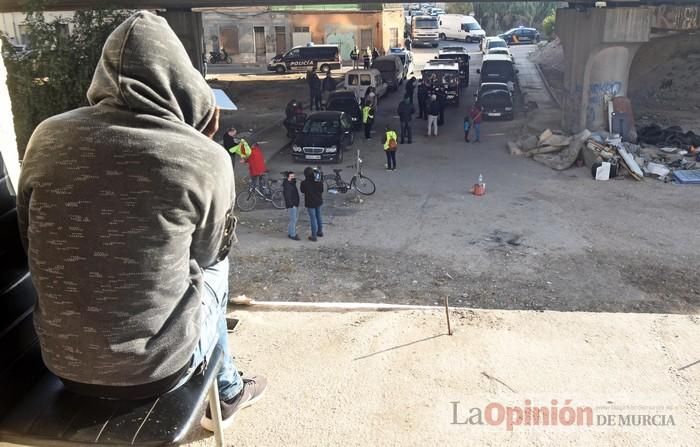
[(503, 51)]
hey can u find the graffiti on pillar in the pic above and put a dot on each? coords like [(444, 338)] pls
[(669, 17), (597, 94)]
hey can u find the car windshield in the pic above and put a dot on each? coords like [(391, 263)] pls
[(384, 65), (497, 71), (446, 76), (472, 26), (497, 44), (342, 104), (461, 58), (322, 127), (426, 23)]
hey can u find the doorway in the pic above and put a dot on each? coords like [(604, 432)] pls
[(280, 39), (260, 51), (366, 39)]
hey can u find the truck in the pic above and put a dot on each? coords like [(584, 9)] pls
[(424, 30)]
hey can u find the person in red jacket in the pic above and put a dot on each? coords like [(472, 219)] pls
[(253, 156)]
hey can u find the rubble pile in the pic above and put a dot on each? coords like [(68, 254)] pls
[(608, 156)]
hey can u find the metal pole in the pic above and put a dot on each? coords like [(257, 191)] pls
[(447, 314)]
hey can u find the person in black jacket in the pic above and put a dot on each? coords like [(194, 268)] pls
[(314, 90), (313, 199), (231, 140), (405, 112), (422, 100), (410, 88), (291, 201)]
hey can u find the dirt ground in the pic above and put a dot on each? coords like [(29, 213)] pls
[(396, 378), (538, 239)]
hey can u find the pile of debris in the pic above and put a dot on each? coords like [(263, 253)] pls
[(608, 156)]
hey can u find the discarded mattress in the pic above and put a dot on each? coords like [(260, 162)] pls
[(688, 177)]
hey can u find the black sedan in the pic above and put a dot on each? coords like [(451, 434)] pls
[(521, 35), (496, 100), (324, 137), (345, 101)]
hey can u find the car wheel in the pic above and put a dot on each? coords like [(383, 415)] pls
[(325, 68), (442, 36), (280, 69), (537, 39), (435, 45)]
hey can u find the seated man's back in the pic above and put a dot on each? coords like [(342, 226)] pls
[(121, 205)]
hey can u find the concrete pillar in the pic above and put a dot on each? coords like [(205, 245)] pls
[(188, 27), (599, 46)]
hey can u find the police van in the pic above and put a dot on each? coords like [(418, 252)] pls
[(304, 58)]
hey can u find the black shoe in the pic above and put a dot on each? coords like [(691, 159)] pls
[(253, 390), (312, 239), (319, 234), (294, 238)]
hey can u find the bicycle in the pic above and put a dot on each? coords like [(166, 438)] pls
[(247, 200), (359, 182)]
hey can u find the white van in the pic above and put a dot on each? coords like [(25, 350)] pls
[(460, 27), (360, 79)]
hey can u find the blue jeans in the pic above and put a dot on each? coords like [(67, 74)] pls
[(214, 332), (315, 219), (477, 130), (293, 214)]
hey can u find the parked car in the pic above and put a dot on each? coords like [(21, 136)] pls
[(492, 42), (520, 35), (447, 72), (360, 79), (406, 58), (460, 55), (303, 58), (391, 68), (345, 101), (504, 51), (496, 100), (460, 27), (324, 137), (498, 68)]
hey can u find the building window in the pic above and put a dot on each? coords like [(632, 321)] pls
[(301, 29), (393, 37)]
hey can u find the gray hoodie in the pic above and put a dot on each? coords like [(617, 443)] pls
[(121, 204)]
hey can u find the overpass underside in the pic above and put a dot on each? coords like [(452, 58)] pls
[(599, 43)]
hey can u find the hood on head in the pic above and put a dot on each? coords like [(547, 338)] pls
[(145, 69), (309, 173)]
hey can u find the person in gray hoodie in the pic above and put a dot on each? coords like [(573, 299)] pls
[(125, 210)]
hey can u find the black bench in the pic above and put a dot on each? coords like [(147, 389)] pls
[(36, 409)]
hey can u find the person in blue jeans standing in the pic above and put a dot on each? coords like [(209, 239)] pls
[(313, 199), (291, 201)]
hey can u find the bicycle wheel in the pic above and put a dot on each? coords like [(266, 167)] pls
[(246, 200), (278, 199), (364, 185)]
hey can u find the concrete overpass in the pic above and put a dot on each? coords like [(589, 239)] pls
[(599, 43)]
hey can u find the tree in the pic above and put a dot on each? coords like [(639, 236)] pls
[(548, 25), (463, 8), (53, 77), (498, 17)]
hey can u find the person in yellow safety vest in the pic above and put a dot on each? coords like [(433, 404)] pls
[(390, 146), (368, 119), (355, 56)]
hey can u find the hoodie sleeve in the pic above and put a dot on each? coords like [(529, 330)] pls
[(214, 232)]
